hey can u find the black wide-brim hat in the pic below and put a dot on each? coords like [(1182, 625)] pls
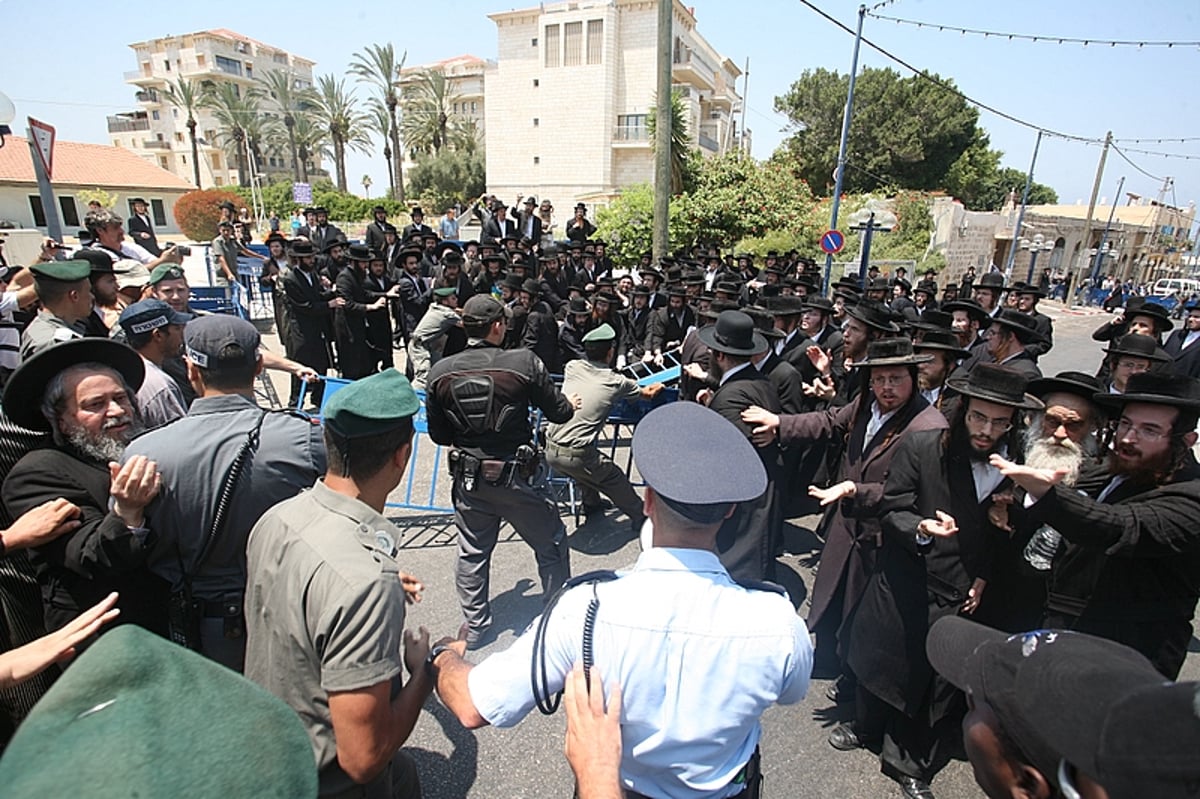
[(1021, 324), (23, 394), (733, 334), (1138, 306), (942, 341), (1025, 288), (998, 384), (891, 352), (1080, 384), (1135, 345), (1177, 391), (972, 308), (873, 314)]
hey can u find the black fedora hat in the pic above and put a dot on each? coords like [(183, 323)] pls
[(998, 384), (1021, 287), (764, 321), (23, 394), (531, 287), (514, 282), (929, 287), (579, 305), (1139, 306), (359, 252), (1077, 383), (992, 280), (891, 352), (970, 307), (1178, 391), (815, 302), (942, 341), (1136, 345), (1023, 326), (873, 314), (733, 334), (932, 320)]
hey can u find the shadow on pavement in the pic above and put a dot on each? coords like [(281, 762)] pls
[(515, 608), (445, 777)]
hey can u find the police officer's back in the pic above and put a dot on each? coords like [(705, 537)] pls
[(223, 466)]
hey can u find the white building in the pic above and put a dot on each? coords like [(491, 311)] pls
[(573, 87), (464, 82), (157, 131)]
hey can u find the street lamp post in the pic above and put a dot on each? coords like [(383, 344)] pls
[(1039, 244)]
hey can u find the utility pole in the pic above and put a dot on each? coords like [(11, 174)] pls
[(1104, 236), (1086, 244), (1012, 251), (840, 171), (745, 101), (662, 132)]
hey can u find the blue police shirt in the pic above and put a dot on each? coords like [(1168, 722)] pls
[(698, 658)]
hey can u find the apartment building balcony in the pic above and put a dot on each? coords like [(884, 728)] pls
[(707, 138), (140, 78), (122, 124), (687, 67), (150, 96), (154, 144)]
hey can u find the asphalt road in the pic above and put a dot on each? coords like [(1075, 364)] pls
[(527, 761)]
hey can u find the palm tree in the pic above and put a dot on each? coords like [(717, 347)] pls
[(681, 142), (236, 114), (185, 94), (377, 65), (338, 112), (427, 124), (311, 138), (379, 121), (290, 100), (366, 184)]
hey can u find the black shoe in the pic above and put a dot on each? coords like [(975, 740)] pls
[(590, 511), (844, 738), (840, 692), (914, 788)]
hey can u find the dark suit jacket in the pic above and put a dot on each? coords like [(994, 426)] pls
[(746, 541), (413, 228), (136, 226), (415, 292), (1025, 365), (375, 238), (541, 336), (320, 236), (350, 324), (493, 230), (664, 332), (536, 238), (1187, 361), (1044, 326), (310, 314), (79, 569)]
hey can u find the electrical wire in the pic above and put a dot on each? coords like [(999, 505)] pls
[(1029, 37), (945, 86), (1125, 158), (1184, 140), (1182, 156)]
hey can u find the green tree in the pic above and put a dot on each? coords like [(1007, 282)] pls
[(440, 180), (187, 95), (380, 124), (338, 111), (980, 184), (235, 112), (311, 139), (905, 132), (683, 154), (377, 65), (290, 101), (429, 122)]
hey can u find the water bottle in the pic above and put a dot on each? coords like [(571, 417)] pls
[(1040, 550)]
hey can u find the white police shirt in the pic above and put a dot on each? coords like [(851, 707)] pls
[(698, 658)]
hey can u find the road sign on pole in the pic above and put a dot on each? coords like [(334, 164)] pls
[(832, 241), (43, 136), (302, 193), (41, 152)]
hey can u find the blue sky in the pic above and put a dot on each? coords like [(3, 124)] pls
[(1148, 93)]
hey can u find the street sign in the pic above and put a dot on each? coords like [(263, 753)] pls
[(832, 241), (302, 193), (43, 137)]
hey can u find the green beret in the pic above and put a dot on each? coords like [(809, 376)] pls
[(166, 272), (372, 405), (602, 333), (446, 291), (65, 271), (158, 720)]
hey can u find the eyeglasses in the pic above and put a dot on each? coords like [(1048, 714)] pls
[(979, 420), (891, 381), (1051, 421), (1127, 429)]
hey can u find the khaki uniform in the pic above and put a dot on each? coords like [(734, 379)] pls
[(45, 331), (325, 612), (428, 341)]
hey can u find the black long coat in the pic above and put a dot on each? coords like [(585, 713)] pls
[(350, 325), (853, 534), (310, 328), (746, 540), (913, 585)]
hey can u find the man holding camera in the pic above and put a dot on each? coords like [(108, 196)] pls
[(478, 402)]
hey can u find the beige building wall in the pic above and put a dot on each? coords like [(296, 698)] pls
[(572, 89)]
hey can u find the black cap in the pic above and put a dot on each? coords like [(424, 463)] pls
[(207, 338), (483, 309)]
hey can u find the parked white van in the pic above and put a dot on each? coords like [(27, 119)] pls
[(1167, 286)]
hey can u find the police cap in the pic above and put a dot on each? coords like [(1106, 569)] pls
[(62, 271), (602, 333), (211, 340), (372, 406), (166, 272), (483, 309)]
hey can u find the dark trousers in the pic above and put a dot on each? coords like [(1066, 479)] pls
[(1164, 642), (478, 514), (910, 746), (398, 780)]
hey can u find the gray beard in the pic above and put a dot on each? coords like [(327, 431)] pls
[(102, 448), (1046, 453)]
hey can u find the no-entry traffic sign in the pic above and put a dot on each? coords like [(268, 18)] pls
[(832, 241)]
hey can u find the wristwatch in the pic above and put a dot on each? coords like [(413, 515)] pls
[(431, 657)]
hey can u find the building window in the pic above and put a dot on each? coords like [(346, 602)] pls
[(167, 66), (595, 40), (229, 65), (158, 212), (162, 162), (70, 214), (535, 122), (572, 44), (533, 42), (199, 59), (249, 70), (474, 106), (216, 161), (39, 215), (632, 127), (175, 113), (154, 115), (158, 136), (551, 46), (178, 136), (279, 58), (183, 159), (218, 180), (456, 108), (535, 83), (537, 159)]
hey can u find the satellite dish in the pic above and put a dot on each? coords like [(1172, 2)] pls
[(8, 111)]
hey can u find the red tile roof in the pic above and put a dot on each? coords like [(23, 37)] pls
[(76, 163)]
